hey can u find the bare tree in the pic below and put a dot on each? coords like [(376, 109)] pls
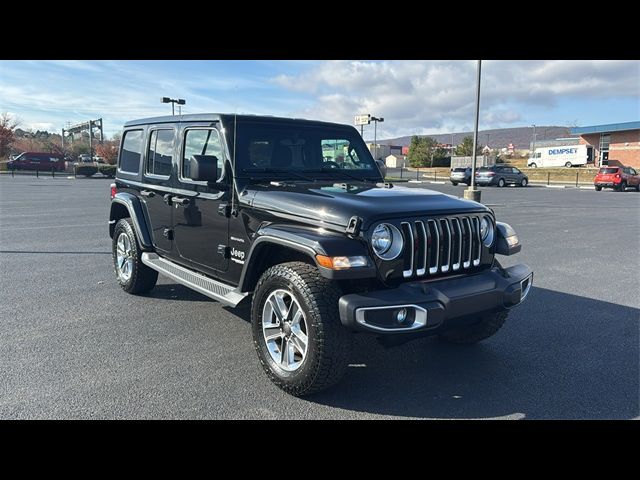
[(8, 124)]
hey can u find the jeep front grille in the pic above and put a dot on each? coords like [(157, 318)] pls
[(441, 245)]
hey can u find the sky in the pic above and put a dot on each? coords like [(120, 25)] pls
[(414, 97)]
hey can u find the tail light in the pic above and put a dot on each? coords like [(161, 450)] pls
[(617, 175), (114, 190)]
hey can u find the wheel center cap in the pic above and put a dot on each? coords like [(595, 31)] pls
[(286, 328)]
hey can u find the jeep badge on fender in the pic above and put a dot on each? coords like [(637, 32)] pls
[(294, 216)]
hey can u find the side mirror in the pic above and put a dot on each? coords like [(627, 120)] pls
[(204, 168)]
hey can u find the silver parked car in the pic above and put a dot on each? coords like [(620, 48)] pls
[(460, 175)]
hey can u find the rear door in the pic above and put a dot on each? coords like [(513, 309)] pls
[(158, 160), (200, 226)]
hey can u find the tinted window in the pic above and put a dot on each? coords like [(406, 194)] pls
[(608, 170), (131, 151), (459, 169), (160, 152), (201, 142), (632, 171)]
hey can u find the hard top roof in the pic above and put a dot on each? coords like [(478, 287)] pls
[(227, 117)]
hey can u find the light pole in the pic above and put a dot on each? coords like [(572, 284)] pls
[(173, 101), (375, 133), (533, 149), (472, 193)]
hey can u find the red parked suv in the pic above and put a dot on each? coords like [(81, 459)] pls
[(618, 178), (37, 161)]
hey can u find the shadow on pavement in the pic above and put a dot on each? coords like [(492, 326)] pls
[(558, 356)]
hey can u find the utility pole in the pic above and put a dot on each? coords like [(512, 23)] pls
[(472, 193)]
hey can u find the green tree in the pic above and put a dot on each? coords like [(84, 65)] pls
[(422, 151), (465, 149)]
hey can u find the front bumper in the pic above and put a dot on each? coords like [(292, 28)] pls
[(437, 305)]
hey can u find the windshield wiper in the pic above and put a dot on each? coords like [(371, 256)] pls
[(278, 170)]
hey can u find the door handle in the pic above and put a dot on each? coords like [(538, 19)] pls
[(147, 193), (181, 201)]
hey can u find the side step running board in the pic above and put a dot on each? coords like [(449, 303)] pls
[(200, 283)]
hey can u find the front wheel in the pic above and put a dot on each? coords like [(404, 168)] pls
[(501, 183), (297, 333), (622, 187), (568, 164), (524, 182), (487, 326), (533, 165), (598, 188), (455, 184)]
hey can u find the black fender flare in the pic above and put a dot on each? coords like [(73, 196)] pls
[(137, 214), (311, 242)]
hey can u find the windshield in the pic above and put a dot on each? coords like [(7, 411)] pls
[(310, 152)]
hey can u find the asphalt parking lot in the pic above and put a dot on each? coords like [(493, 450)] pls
[(74, 345)]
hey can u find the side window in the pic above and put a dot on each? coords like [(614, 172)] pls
[(632, 171), (160, 152), (200, 142), (131, 151)]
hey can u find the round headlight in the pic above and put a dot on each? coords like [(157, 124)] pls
[(381, 239), (486, 231), (386, 241)]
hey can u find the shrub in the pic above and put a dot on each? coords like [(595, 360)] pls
[(107, 170), (86, 170)]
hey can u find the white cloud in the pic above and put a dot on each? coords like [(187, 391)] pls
[(437, 96)]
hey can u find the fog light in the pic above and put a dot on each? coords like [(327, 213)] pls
[(401, 316)]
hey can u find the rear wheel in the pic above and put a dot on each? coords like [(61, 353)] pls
[(501, 182), (455, 184), (487, 326), (568, 164), (622, 187), (638, 188), (133, 275), (297, 333), (598, 188)]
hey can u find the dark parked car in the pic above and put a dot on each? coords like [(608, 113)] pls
[(460, 175), (257, 210), (618, 178), (501, 175), (42, 161)]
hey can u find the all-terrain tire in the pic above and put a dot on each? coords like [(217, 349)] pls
[(142, 278), (328, 342)]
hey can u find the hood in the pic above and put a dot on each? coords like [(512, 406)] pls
[(334, 203)]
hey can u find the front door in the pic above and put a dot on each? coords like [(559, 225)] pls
[(200, 228), (157, 172)]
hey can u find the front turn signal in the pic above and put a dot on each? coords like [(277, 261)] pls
[(340, 263)]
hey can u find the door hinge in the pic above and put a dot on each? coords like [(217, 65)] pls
[(167, 232), (224, 210), (353, 227), (224, 251)]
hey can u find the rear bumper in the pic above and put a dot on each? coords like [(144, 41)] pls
[(436, 306), (606, 184), (485, 181)]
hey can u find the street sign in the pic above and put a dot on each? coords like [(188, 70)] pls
[(362, 119)]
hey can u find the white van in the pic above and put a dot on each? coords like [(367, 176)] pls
[(568, 156)]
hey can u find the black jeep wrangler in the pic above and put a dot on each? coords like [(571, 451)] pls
[(295, 215)]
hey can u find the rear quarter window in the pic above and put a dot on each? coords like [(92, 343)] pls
[(131, 151)]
